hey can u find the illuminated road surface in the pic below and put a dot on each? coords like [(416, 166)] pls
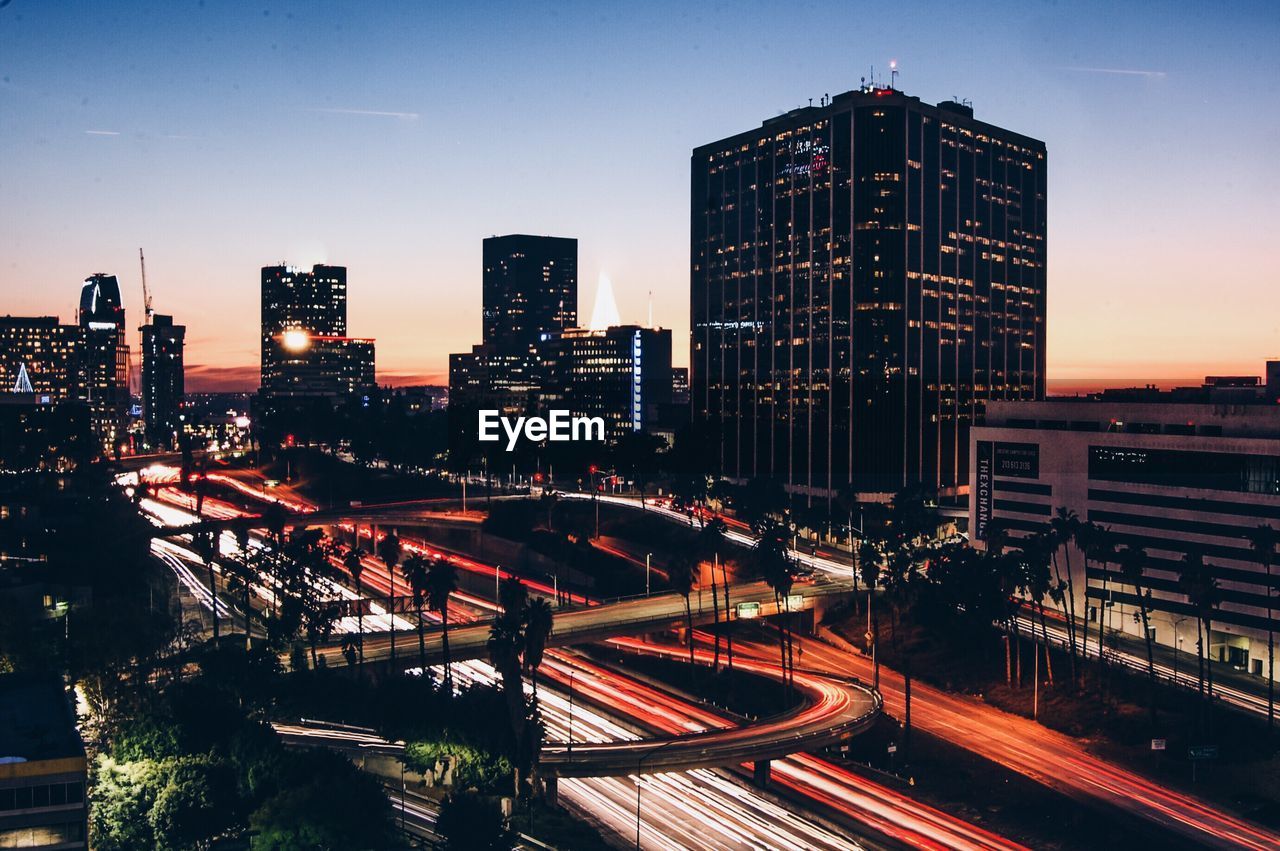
[(700, 809)]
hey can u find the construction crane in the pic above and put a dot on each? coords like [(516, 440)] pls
[(146, 294)]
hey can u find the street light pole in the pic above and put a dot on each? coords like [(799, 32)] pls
[(647, 559)]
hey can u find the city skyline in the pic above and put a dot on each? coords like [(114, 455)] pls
[(175, 129)]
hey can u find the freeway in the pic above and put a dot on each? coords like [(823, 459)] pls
[(1049, 757), (854, 798), (701, 809), (834, 709), (1053, 759), (655, 613)]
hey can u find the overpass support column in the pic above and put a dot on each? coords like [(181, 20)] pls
[(760, 772), (552, 789)]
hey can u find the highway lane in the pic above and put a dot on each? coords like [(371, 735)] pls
[(833, 709), (863, 802), (848, 796), (1022, 745), (700, 809)]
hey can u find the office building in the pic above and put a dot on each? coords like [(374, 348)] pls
[(305, 348), (529, 293), (163, 382), (43, 770), (1172, 477), (866, 273), (42, 352), (621, 374), (104, 358), (530, 288)]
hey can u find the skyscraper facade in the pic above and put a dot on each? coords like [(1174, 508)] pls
[(621, 374), (104, 360), (530, 288), (163, 381), (529, 294), (865, 274), (305, 348)]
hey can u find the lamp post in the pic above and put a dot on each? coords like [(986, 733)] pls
[(647, 564)]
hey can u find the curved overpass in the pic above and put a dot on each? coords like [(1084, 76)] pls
[(833, 709)]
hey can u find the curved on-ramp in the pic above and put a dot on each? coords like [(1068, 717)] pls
[(832, 710)]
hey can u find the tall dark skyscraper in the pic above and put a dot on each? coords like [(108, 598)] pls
[(530, 288), (529, 294), (163, 382), (865, 274), (104, 360), (305, 347)]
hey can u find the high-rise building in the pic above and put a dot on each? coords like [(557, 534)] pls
[(44, 351), (530, 288), (104, 360), (305, 348), (865, 274), (163, 383), (529, 293), (621, 374)]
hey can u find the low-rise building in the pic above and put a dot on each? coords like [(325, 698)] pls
[(43, 770), (1174, 478)]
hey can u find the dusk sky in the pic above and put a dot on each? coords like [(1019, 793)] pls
[(393, 137)]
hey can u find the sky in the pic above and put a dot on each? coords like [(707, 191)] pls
[(393, 137)]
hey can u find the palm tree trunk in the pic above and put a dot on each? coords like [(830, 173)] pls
[(728, 619), (688, 617), (1071, 626), (1044, 630), (444, 647), (715, 608), (360, 624), (422, 638), (1082, 647), (1151, 659), (391, 612), (213, 595)]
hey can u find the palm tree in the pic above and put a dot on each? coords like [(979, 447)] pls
[(442, 580), (1263, 541), (709, 541), (1102, 550), (353, 561), (549, 499), (712, 540), (539, 621), (1065, 527), (680, 574), (776, 566), (1039, 585), (1133, 567), (507, 644), (206, 546), (1197, 582), (389, 551), (415, 573)]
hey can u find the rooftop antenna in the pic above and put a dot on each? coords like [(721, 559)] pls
[(893, 73), (650, 308)]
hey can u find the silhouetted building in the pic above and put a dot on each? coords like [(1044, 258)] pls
[(865, 274), (1174, 478), (43, 770), (1273, 381), (530, 288), (621, 374), (104, 358), (163, 380), (530, 292), (305, 348)]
